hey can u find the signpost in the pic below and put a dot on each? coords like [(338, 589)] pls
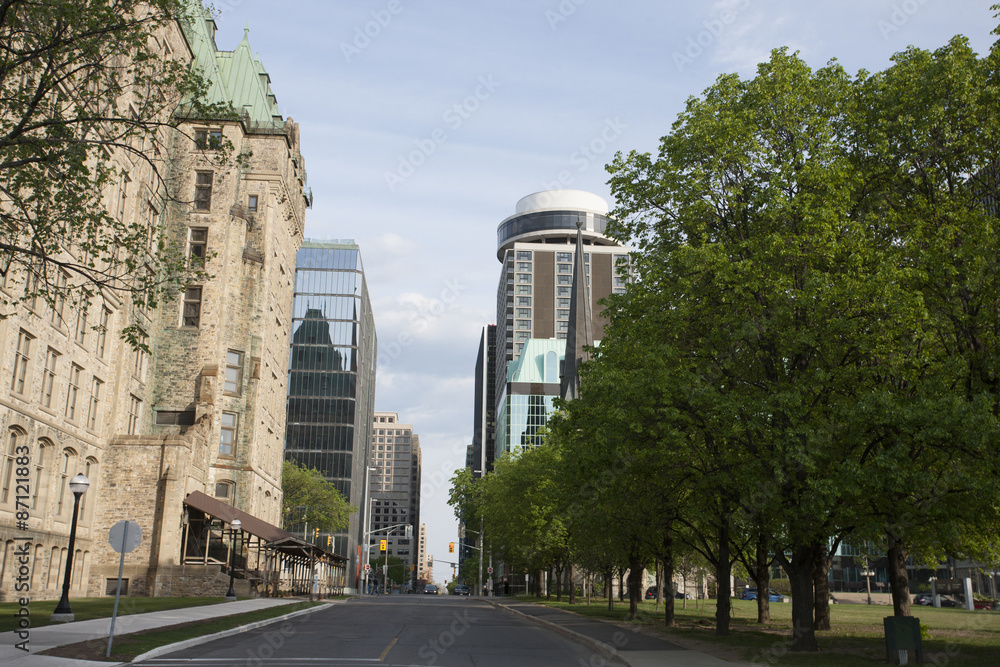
[(124, 537)]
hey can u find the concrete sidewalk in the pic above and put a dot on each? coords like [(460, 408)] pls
[(62, 634), (627, 644)]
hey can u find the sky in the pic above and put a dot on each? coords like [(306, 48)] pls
[(424, 122)]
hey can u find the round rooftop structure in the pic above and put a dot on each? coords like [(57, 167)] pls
[(551, 216), (568, 200)]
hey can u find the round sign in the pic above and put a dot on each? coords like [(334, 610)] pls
[(125, 536), (489, 570), (367, 567)]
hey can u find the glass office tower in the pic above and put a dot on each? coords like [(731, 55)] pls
[(331, 384)]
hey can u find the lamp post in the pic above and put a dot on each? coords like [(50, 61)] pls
[(78, 485), (236, 525), (367, 522)]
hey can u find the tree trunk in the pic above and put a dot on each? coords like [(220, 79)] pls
[(762, 578), (821, 587), (800, 576), (635, 568), (609, 589), (621, 584), (899, 582), (559, 572), (668, 579), (722, 589), (572, 584)]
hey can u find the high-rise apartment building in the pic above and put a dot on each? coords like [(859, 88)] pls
[(537, 248), (395, 489), (331, 391)]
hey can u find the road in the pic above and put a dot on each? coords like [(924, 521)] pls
[(394, 630)]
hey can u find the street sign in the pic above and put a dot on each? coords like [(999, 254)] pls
[(489, 570), (125, 536), (368, 567)]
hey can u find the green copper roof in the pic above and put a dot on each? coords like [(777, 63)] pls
[(235, 77)]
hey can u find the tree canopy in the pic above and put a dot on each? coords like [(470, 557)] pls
[(306, 493), (88, 95)]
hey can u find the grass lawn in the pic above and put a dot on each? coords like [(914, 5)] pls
[(957, 637), (85, 609), (128, 646)]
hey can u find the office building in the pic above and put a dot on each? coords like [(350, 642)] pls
[(395, 491), (331, 392), (482, 451)]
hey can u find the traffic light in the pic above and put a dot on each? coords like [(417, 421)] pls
[(316, 534), (383, 545), (329, 541), (451, 547)]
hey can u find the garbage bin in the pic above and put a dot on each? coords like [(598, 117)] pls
[(902, 633)]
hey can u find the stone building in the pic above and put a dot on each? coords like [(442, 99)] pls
[(204, 409)]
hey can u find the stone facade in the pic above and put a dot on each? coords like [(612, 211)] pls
[(149, 428)]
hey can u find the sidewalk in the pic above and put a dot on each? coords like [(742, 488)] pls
[(626, 644), (51, 636)]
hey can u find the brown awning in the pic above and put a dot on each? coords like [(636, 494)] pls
[(251, 524)]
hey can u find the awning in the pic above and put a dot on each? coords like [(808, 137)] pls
[(251, 524)]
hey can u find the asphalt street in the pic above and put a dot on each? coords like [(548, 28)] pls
[(394, 630)]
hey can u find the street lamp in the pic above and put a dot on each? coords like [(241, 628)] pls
[(236, 525), (367, 521), (78, 485)]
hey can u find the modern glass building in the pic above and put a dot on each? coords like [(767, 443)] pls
[(532, 385), (331, 383)]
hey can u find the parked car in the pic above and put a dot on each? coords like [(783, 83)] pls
[(772, 595), (430, 589), (927, 600), (651, 594), (461, 589)]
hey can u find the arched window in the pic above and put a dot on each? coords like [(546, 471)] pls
[(44, 448), (14, 438), (551, 367), (90, 470), (54, 562), (67, 458), (37, 569), (224, 490), (9, 562)]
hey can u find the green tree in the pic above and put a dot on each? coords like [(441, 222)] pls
[(817, 263), (87, 100), (305, 492)]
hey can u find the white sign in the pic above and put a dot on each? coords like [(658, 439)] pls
[(489, 570), (367, 567), (125, 536)]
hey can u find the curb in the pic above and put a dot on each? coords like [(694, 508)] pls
[(606, 650), (204, 639)]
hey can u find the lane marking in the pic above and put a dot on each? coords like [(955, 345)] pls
[(388, 648)]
